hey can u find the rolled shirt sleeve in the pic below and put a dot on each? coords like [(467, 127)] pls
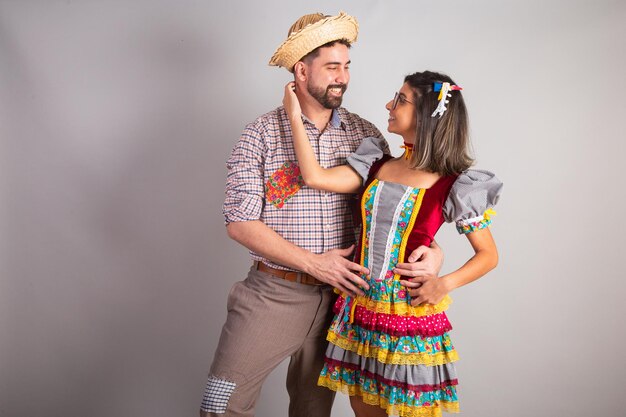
[(244, 182)]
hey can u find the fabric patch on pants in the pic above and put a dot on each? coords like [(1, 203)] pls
[(216, 395)]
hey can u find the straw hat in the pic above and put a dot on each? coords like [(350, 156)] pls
[(312, 31)]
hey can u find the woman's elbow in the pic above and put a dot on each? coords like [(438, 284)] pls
[(493, 260), (312, 181), (488, 259)]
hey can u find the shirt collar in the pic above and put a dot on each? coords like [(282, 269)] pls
[(335, 119)]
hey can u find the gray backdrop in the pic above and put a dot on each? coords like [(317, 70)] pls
[(116, 118)]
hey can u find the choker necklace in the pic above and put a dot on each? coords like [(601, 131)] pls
[(408, 150)]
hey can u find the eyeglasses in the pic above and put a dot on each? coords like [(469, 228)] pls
[(399, 98)]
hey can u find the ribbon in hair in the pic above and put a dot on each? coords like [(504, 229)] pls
[(444, 92)]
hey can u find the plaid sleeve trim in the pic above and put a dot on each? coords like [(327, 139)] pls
[(216, 395)]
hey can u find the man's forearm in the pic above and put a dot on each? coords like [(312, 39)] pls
[(261, 239)]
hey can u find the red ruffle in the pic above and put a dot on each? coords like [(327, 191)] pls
[(394, 325)]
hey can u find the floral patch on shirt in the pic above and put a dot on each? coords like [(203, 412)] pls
[(283, 184)]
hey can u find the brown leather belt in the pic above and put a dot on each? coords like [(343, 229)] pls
[(299, 277)]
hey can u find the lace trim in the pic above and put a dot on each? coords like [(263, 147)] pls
[(401, 309), (397, 358), (403, 410)]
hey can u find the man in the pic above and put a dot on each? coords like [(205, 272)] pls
[(299, 238)]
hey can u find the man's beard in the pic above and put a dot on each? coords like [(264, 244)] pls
[(322, 95)]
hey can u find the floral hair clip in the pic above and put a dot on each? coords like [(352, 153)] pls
[(444, 92)]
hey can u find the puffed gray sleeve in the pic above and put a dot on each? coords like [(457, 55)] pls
[(371, 150), (471, 200)]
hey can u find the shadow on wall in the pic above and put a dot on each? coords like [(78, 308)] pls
[(111, 228)]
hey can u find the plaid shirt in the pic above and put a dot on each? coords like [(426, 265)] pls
[(264, 181)]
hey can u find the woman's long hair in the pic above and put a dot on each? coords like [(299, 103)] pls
[(442, 143)]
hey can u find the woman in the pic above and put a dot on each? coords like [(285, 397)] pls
[(389, 351)]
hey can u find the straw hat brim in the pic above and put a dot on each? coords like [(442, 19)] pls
[(298, 44)]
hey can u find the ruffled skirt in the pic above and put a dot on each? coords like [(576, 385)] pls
[(391, 354)]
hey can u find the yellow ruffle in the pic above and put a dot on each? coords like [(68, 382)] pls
[(396, 358), (402, 410), (402, 309), (364, 217)]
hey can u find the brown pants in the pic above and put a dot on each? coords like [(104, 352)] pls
[(270, 319)]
